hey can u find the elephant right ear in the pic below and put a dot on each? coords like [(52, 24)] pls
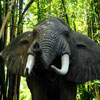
[(15, 54), (86, 62)]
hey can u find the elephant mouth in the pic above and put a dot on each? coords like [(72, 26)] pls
[(60, 71)]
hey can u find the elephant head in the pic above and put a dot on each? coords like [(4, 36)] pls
[(48, 44), (54, 46)]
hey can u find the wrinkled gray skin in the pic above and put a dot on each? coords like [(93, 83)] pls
[(50, 40)]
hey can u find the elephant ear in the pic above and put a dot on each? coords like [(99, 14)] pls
[(87, 62), (15, 54)]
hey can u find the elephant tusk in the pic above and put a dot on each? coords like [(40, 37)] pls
[(0, 53), (65, 65), (29, 65), (1, 56)]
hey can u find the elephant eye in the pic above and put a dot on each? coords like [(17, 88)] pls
[(81, 45), (24, 42), (66, 34)]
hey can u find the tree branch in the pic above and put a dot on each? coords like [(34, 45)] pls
[(26, 8), (28, 5)]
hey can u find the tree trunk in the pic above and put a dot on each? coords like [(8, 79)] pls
[(11, 76), (65, 14), (20, 26), (39, 17), (97, 10), (2, 70)]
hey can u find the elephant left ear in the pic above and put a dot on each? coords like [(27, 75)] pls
[(15, 54), (87, 62)]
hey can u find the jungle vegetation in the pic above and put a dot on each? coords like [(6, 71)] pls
[(82, 16)]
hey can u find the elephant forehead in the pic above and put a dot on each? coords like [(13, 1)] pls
[(48, 34), (46, 23), (50, 26)]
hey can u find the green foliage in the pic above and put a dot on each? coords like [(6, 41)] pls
[(83, 16), (86, 92), (24, 91)]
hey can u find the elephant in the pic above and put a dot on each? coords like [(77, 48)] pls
[(54, 59)]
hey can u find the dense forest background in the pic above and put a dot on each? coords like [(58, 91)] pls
[(22, 15)]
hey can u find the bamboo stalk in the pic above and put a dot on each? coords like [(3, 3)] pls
[(6, 18), (15, 93), (97, 93)]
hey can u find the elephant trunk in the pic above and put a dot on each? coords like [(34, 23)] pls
[(65, 65), (48, 44)]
